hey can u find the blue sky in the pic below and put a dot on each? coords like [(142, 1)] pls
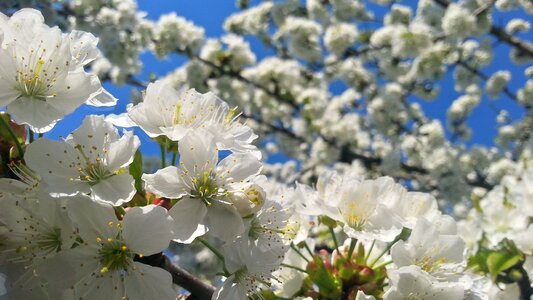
[(211, 14)]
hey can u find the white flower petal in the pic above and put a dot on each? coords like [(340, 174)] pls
[(157, 108), (188, 215), (94, 219), (121, 152), (83, 46), (147, 230), (99, 287), (104, 98), (121, 120), (165, 182), (39, 115), (198, 152), (239, 167), (77, 88), (7, 93), (361, 296), (115, 190), (224, 222), (229, 291), (94, 137), (56, 163), (148, 282)]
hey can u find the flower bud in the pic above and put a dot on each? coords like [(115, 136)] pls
[(163, 202), (365, 274), (248, 200)]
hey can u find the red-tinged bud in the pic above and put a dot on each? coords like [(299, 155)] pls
[(163, 202), (311, 266), (365, 274), (327, 264)]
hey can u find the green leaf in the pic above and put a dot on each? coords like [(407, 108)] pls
[(136, 170), (498, 262)]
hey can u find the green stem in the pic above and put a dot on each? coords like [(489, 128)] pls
[(403, 235), (32, 136), (298, 251), (353, 243), (163, 155), (383, 252), (382, 264), (12, 135), (370, 250), (334, 237), (294, 267), (174, 156), (217, 253), (121, 210), (308, 249)]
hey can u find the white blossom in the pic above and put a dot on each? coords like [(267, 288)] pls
[(175, 114), (103, 265), (436, 253), (458, 22), (250, 268), (93, 160), (412, 282), (339, 37), (174, 33), (42, 80), (497, 82), (204, 188)]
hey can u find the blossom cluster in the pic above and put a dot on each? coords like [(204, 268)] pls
[(83, 218)]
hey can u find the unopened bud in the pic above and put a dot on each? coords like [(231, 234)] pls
[(163, 202), (248, 200), (365, 274)]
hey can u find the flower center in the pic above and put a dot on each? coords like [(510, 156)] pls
[(354, 216), (205, 188), (181, 119), (50, 241), (37, 243), (270, 230), (113, 255), (37, 81), (93, 172), (428, 264)]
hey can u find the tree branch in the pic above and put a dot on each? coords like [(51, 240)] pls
[(500, 34), (526, 291), (199, 290)]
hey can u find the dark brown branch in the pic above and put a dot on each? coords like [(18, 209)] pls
[(485, 77), (199, 290), (526, 291), (347, 154), (239, 77), (524, 47)]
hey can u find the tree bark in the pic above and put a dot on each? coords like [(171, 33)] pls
[(199, 290)]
